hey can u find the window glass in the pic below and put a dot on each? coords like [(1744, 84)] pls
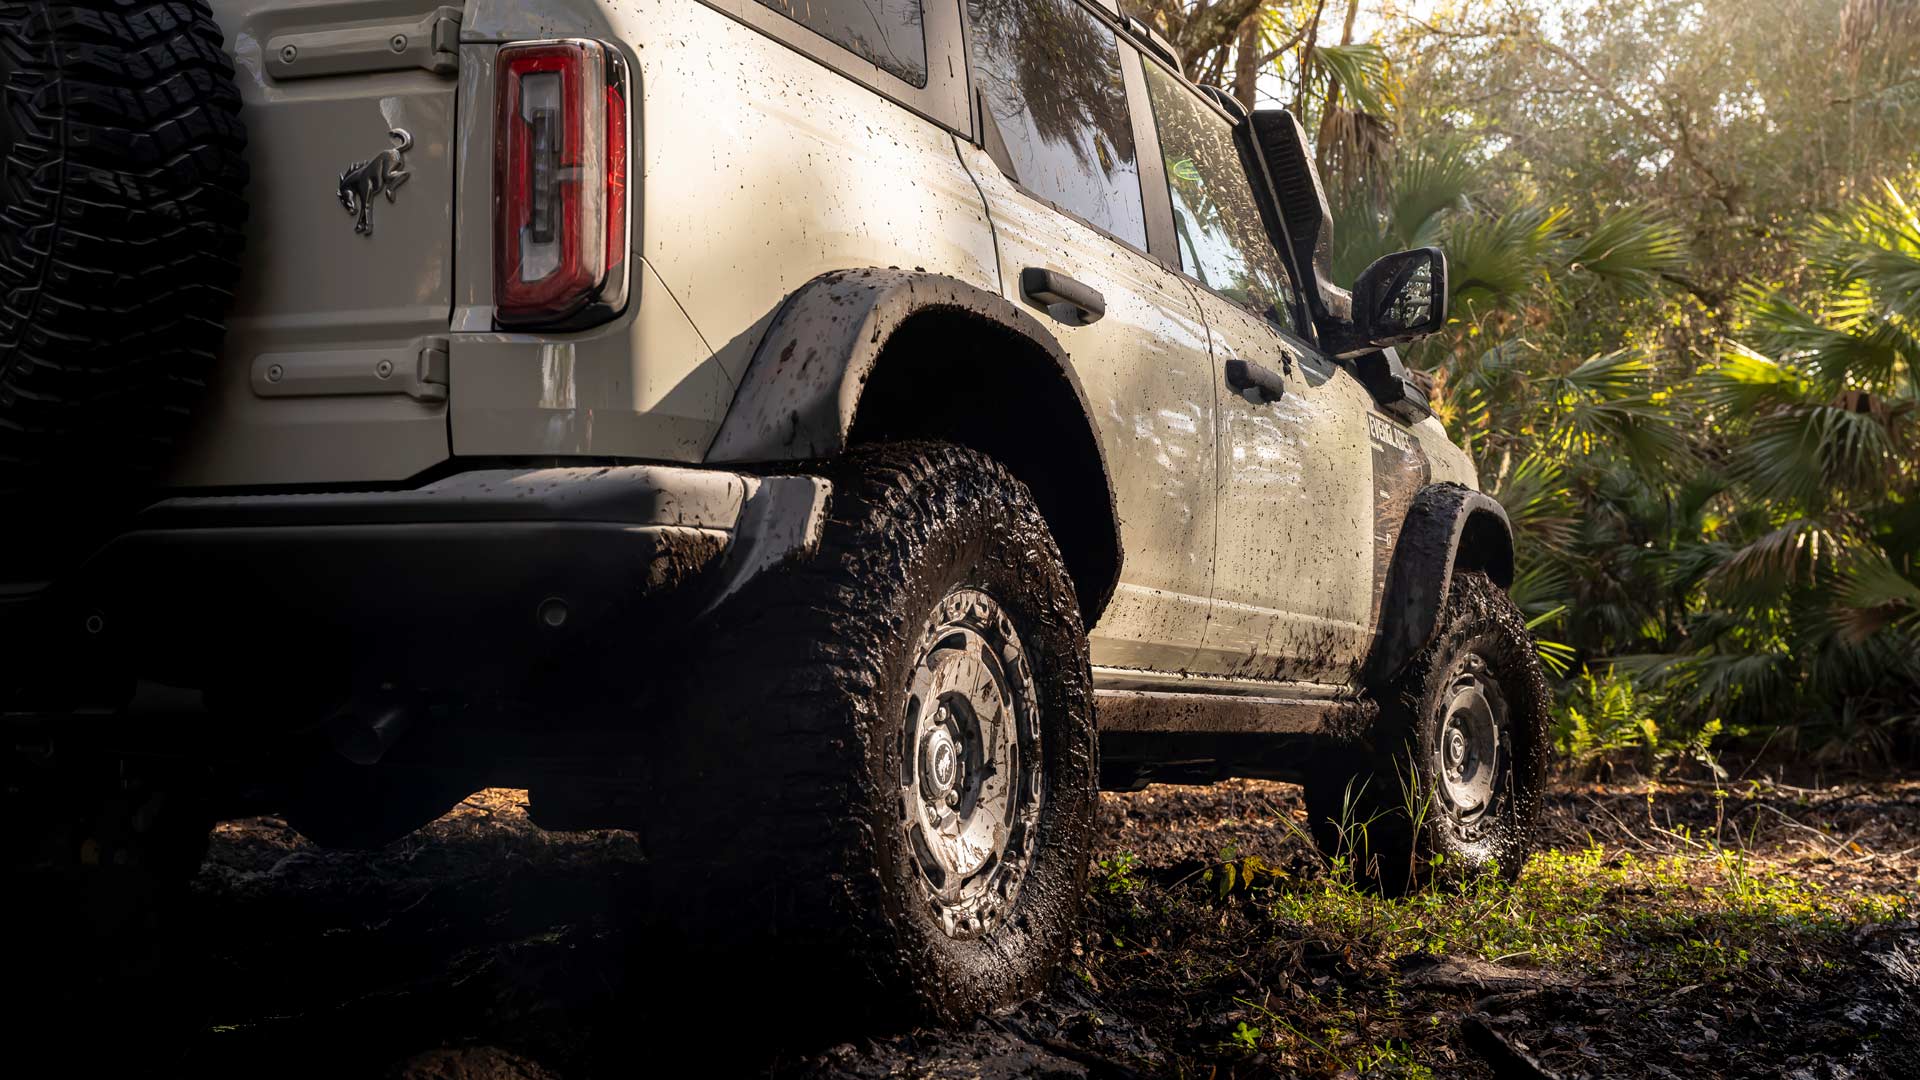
[(1050, 75), (887, 32), (1223, 240)]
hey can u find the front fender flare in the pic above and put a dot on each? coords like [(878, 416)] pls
[(1448, 527)]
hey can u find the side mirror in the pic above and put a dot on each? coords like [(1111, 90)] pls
[(1401, 298)]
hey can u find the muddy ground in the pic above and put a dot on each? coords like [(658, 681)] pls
[(485, 948)]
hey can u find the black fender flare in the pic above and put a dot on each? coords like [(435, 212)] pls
[(1448, 527), (801, 392)]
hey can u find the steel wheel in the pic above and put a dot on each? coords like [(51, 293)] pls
[(1450, 785), (1472, 757), (970, 767)]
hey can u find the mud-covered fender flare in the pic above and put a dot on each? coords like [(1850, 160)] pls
[(801, 392), (1448, 527)]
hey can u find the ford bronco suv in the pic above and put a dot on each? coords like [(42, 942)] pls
[(830, 438)]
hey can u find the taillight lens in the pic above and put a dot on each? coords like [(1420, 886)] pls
[(560, 184)]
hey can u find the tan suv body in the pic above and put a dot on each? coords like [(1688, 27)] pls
[(419, 526), (1254, 536)]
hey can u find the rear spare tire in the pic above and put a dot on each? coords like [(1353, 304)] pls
[(121, 171)]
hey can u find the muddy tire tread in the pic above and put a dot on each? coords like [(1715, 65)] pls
[(753, 841)]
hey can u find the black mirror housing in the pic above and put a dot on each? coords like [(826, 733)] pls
[(1401, 298)]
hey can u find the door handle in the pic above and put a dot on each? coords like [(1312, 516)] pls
[(1066, 300), (1243, 375)]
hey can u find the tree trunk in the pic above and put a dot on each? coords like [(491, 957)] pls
[(1246, 61), (1327, 131)]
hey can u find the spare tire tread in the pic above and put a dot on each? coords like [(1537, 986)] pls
[(123, 233)]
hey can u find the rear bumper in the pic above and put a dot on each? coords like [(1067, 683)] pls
[(469, 582)]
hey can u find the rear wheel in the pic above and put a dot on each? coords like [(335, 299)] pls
[(887, 779), (1450, 785)]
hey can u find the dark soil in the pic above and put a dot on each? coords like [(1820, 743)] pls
[(483, 947)]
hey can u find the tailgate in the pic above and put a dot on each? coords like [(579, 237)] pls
[(335, 364)]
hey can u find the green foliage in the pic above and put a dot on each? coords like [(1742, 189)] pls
[(1601, 715), (1685, 344), (1244, 1037), (1673, 919), (1705, 434), (1360, 71), (1117, 876)]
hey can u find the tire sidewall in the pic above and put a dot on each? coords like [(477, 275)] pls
[(1001, 548), (1483, 622)]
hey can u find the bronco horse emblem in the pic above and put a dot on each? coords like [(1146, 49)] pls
[(383, 173)]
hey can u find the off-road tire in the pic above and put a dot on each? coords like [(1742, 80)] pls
[(1383, 807), (122, 173), (782, 827)]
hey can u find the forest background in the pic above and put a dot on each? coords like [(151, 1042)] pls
[(1684, 239)]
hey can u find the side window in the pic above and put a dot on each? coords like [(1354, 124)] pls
[(886, 32), (1050, 75), (1223, 241)]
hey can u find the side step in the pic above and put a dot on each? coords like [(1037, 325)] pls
[(1227, 714), (1154, 736)]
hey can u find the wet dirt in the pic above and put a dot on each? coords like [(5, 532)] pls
[(483, 947)]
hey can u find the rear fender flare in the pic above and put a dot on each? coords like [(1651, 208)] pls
[(802, 391)]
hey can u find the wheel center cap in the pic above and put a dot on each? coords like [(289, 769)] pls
[(939, 763), (1456, 748)]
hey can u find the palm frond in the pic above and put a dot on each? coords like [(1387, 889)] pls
[(1774, 562), (1537, 502), (1850, 346), (1361, 73), (1812, 455), (1875, 595), (1428, 183), (1496, 259), (1744, 382), (1629, 249)]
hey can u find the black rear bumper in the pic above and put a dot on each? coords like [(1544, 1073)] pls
[(467, 583)]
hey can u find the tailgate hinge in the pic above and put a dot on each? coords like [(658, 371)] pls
[(431, 42), (430, 378)]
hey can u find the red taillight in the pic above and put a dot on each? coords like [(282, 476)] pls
[(560, 184)]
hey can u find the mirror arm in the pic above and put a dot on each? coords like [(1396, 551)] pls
[(1343, 340), (1397, 390)]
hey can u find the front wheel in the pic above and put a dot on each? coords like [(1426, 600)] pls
[(1450, 784), (886, 774)]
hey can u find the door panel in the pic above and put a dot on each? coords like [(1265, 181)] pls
[(1148, 375), (1061, 175), (1293, 585)]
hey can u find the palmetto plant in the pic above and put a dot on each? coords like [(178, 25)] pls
[(1820, 421), (1743, 539)]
